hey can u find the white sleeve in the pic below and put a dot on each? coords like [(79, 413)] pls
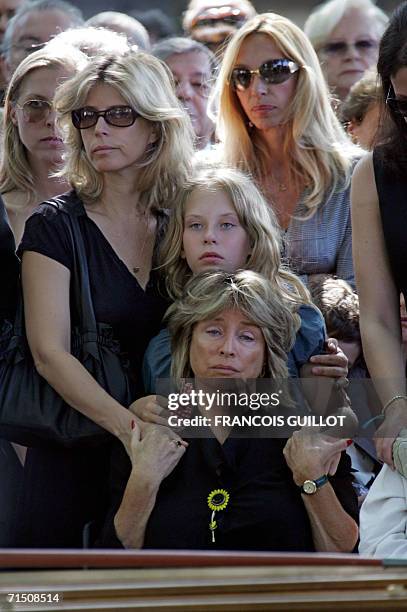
[(383, 517)]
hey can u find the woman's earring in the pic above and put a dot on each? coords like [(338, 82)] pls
[(250, 124)]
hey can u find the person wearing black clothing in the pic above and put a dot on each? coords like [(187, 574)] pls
[(379, 221), (9, 267), (11, 470), (266, 511), (129, 146), (220, 492)]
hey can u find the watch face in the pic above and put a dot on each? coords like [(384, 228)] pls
[(309, 487)]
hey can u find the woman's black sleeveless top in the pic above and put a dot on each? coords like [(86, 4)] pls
[(392, 191)]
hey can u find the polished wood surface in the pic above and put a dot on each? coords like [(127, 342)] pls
[(42, 558), (197, 582)]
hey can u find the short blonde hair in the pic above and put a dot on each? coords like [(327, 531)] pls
[(255, 216), (146, 85), (207, 295), (318, 149), (325, 17), (15, 170)]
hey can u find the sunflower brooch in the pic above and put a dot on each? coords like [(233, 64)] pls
[(217, 500)]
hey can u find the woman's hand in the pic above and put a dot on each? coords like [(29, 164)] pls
[(155, 451), (395, 421), (310, 455), (151, 409), (334, 363)]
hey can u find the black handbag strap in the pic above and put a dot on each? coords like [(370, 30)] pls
[(79, 275), (80, 272)]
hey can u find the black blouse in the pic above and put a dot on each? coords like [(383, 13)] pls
[(118, 299), (265, 510)]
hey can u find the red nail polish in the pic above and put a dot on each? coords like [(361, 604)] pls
[(349, 442)]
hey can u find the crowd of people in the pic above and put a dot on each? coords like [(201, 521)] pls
[(182, 209)]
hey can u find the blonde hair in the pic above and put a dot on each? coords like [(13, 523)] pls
[(207, 295), (15, 170), (319, 151), (146, 85), (256, 218), (326, 16)]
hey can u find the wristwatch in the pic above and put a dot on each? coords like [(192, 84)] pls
[(309, 487)]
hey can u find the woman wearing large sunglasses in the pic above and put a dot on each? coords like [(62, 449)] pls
[(379, 223), (128, 148), (275, 122)]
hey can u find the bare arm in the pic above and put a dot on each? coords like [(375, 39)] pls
[(308, 455), (47, 313), (153, 458), (379, 304), (333, 530)]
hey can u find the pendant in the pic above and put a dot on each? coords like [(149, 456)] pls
[(217, 500)]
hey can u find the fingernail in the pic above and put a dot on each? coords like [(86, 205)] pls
[(349, 442), (133, 424), (316, 370)]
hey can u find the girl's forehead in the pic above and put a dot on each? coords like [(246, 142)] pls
[(211, 198)]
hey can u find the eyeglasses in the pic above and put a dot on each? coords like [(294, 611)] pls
[(213, 16), (272, 72), (396, 105), (118, 116), (363, 47), (36, 110)]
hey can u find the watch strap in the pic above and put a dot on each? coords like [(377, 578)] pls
[(321, 481), (309, 487)]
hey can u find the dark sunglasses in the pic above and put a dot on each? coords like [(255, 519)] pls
[(35, 110), (119, 116), (272, 72), (341, 47), (214, 16)]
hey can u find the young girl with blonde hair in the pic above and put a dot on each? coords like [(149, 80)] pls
[(222, 222)]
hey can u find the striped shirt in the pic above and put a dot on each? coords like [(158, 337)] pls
[(321, 244)]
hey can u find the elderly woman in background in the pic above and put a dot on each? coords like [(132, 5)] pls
[(192, 66), (346, 35), (223, 328), (129, 144), (276, 123)]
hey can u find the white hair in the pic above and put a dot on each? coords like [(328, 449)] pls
[(325, 17)]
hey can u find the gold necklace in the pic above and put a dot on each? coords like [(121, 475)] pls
[(275, 182), (137, 269)]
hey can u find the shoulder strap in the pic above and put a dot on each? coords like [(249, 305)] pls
[(80, 277), (72, 208)]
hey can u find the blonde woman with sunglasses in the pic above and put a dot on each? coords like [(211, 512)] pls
[(128, 149), (275, 122), (32, 147)]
